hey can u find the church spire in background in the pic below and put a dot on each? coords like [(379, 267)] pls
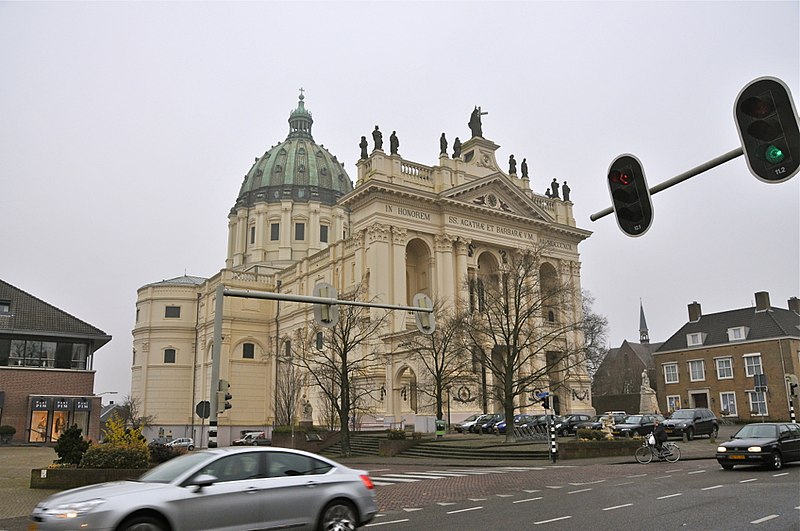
[(644, 336)]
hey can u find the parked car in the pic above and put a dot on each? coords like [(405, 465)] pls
[(486, 425), (693, 421), (596, 422), (568, 424), (253, 438), (539, 422), (767, 443), (636, 425), (519, 420), (473, 428), (221, 488), (464, 425), (182, 442)]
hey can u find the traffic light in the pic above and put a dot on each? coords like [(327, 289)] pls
[(546, 402), (326, 315), (223, 395), (766, 120), (630, 195), (426, 323)]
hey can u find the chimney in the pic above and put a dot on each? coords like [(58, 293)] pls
[(762, 301), (694, 312), (794, 305)]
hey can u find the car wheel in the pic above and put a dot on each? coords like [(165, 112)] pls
[(714, 432), (689, 434), (777, 461), (726, 466), (338, 516), (143, 523), (191, 447)]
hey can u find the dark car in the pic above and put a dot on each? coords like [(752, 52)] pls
[(693, 421), (768, 443), (519, 420), (636, 425), (568, 425), (486, 425), (538, 423)]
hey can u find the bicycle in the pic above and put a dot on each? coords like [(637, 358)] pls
[(670, 452)]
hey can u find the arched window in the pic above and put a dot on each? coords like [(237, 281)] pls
[(548, 285), (418, 259), (169, 355)]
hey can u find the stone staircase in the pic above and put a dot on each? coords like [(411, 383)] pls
[(367, 445)]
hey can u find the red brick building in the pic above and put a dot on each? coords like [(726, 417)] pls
[(733, 362), (46, 375)]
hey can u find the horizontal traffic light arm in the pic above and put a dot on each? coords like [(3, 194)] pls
[(318, 300), (713, 163)]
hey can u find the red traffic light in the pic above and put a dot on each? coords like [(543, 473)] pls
[(630, 195)]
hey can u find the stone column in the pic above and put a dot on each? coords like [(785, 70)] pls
[(398, 276), (461, 273), (445, 270)]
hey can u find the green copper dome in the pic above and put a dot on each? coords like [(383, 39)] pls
[(297, 169)]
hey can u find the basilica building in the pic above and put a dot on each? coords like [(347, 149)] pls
[(298, 220)]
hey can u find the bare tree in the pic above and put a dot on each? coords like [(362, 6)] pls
[(595, 334), (444, 354), (524, 328), (341, 368), (130, 414), (289, 385)]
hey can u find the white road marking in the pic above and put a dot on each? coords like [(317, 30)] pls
[(441, 474), (375, 524), (531, 491), (697, 472), (465, 510), (587, 483), (663, 477), (712, 488), (673, 471), (748, 480), (781, 474), (552, 520), (412, 509), (617, 507), (626, 483), (399, 480), (554, 486), (477, 499), (637, 476), (577, 491), (504, 495), (388, 476), (527, 500), (669, 496), (765, 519), (445, 504)]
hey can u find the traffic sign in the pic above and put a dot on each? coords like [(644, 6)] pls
[(203, 409)]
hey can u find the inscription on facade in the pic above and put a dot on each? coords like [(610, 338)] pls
[(488, 227), (408, 212), (559, 245)]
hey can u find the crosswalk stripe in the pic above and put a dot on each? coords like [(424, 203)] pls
[(399, 480), (389, 476)]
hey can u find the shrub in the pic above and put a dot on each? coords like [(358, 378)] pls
[(160, 453), (116, 456), (7, 432), (396, 435), (71, 446), (592, 435)]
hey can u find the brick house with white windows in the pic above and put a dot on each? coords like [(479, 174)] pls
[(713, 360)]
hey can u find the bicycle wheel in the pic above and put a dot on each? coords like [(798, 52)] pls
[(644, 455), (675, 453)]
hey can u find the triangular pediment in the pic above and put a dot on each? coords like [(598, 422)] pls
[(497, 192)]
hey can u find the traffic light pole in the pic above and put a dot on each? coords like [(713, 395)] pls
[(216, 351), (713, 163)]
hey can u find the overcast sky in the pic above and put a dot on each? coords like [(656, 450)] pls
[(126, 130)]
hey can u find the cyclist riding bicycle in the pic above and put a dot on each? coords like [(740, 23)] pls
[(660, 435)]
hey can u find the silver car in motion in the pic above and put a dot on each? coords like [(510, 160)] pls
[(222, 488)]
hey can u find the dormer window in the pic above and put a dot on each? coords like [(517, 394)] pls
[(695, 339), (738, 333), (5, 307)]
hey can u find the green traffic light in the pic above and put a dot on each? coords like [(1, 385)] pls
[(774, 154)]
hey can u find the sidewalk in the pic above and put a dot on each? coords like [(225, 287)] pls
[(17, 499)]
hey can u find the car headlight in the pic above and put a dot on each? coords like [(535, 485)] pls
[(754, 449), (721, 449), (74, 509)]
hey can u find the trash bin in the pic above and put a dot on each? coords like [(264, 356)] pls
[(441, 428)]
